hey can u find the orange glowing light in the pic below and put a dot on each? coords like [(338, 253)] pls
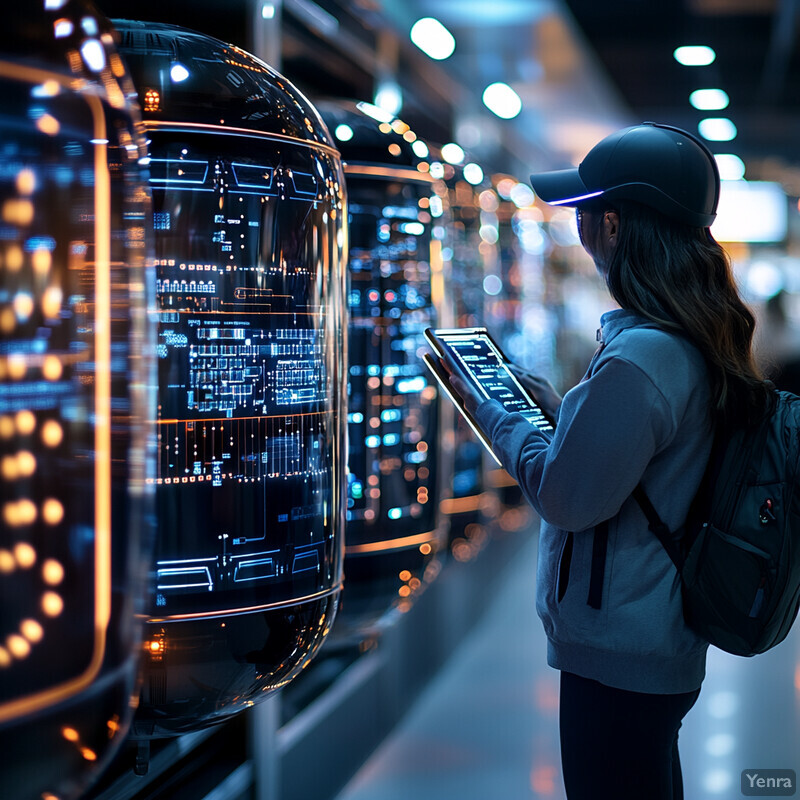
[(152, 100), (425, 549), (23, 305), (52, 604), (18, 212), (404, 591), (390, 544), (26, 422), (70, 734), (9, 468), (88, 754), (19, 647), (404, 575), (25, 555), (394, 149), (52, 511), (7, 562), (6, 427), (52, 572), (8, 321), (26, 178), (52, 433), (14, 258), (26, 464), (460, 505), (51, 301), (5, 658), (385, 127), (31, 630), (42, 261), (51, 368)]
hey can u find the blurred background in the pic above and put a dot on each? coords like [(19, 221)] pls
[(429, 116)]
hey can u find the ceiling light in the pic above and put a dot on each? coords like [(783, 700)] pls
[(420, 148), (717, 129), (709, 99), (522, 195), (389, 97), (376, 113), (694, 55), (433, 38), (504, 187), (473, 174), (502, 100), (452, 153), (344, 133), (731, 167)]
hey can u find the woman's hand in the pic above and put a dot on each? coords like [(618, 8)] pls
[(464, 389), (542, 391)]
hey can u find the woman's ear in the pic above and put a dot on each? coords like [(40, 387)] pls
[(611, 228)]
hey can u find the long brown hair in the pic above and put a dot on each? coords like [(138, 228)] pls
[(680, 278)]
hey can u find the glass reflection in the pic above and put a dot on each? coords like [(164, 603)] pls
[(75, 386), (248, 202), (393, 528)]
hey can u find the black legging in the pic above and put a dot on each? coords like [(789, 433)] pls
[(620, 745)]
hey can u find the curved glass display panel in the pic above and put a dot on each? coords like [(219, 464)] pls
[(248, 202), (393, 529), (75, 399), (465, 208)]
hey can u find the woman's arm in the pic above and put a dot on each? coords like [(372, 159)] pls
[(610, 427)]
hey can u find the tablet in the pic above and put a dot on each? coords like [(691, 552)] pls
[(481, 361)]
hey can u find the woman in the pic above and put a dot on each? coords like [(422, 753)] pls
[(674, 362)]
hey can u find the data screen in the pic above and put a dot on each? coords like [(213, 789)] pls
[(484, 365), (248, 416), (393, 402), (71, 445)]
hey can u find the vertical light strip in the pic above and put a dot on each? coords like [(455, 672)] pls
[(437, 276), (49, 696), (102, 359)]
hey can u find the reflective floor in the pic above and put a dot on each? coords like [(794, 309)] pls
[(487, 729)]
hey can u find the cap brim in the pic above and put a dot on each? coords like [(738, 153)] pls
[(561, 188)]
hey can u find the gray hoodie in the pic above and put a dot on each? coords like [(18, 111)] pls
[(641, 413)]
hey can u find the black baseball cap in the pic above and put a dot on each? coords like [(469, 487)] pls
[(657, 165)]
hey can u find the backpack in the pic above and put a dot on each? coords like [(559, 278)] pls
[(738, 554)]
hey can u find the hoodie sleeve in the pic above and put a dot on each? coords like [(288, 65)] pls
[(609, 428)]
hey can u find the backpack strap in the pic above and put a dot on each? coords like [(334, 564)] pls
[(657, 527)]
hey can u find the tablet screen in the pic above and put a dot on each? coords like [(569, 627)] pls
[(484, 364)]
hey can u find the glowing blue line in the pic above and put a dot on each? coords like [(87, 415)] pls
[(574, 199)]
